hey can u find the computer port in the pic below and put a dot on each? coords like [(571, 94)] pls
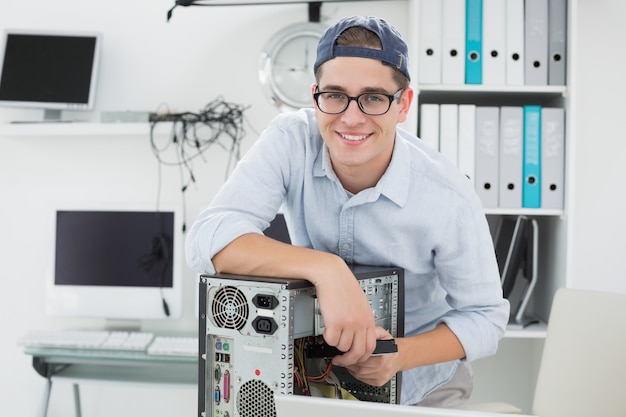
[(265, 325), (226, 395), (265, 301), (217, 395), (217, 374)]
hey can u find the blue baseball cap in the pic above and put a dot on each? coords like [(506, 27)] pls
[(394, 50)]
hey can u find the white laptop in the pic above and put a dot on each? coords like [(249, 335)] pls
[(302, 406)]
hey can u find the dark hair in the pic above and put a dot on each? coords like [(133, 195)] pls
[(359, 36)]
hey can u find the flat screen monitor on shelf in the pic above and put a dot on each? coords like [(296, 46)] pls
[(516, 246), (121, 265), (49, 70)]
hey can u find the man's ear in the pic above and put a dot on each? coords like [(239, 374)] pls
[(405, 104), (313, 88)]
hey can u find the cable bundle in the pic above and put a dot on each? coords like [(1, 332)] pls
[(218, 123)]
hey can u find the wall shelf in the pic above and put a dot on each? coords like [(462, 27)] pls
[(497, 89), (485, 94), (65, 129), (532, 331), (524, 212)]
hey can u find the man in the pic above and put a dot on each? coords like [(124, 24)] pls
[(357, 189)]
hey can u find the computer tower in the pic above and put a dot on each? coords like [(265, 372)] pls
[(258, 334)]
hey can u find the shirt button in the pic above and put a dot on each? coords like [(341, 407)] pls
[(346, 246)]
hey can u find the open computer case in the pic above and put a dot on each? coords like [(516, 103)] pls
[(260, 337)]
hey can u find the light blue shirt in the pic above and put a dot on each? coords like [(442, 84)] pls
[(423, 216)]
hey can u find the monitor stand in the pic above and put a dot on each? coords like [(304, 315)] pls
[(122, 325), (52, 115), (521, 296), (49, 116)]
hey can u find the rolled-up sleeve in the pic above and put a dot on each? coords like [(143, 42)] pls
[(251, 197)]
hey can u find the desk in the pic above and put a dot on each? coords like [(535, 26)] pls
[(82, 365)]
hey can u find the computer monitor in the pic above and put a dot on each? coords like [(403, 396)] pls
[(119, 264), (50, 70), (516, 246), (510, 245)]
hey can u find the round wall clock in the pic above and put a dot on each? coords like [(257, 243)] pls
[(286, 65)]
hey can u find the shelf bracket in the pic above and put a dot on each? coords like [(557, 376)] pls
[(315, 8)]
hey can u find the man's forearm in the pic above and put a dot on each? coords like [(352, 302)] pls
[(435, 346), (254, 254)]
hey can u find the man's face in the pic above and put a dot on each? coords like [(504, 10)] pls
[(356, 141)]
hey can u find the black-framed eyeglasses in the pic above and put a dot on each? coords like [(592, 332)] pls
[(372, 104)]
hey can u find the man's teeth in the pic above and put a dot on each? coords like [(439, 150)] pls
[(353, 137)]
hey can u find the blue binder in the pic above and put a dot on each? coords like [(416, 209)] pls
[(473, 42), (531, 188)]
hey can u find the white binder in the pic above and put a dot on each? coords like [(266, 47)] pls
[(536, 42), (453, 42), (552, 157), (429, 124), (430, 30), (467, 132), (449, 132), (487, 155), (511, 156), (557, 41), (514, 42), (494, 43)]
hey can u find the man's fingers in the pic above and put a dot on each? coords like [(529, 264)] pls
[(331, 336)]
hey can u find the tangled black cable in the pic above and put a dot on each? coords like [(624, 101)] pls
[(218, 123)]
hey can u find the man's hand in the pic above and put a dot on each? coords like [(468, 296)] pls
[(347, 315), (434, 346), (376, 370)]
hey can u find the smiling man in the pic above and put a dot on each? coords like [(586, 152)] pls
[(357, 189)]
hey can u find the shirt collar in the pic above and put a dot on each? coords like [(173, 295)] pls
[(394, 184)]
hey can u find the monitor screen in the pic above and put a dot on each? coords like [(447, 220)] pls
[(117, 264), (510, 243), (53, 71)]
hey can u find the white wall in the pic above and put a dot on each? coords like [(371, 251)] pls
[(599, 201), (202, 53)]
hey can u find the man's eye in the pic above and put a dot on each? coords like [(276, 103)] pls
[(335, 96), (374, 98)]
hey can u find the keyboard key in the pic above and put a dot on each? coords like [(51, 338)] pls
[(88, 339), (174, 346), (136, 341), (83, 339)]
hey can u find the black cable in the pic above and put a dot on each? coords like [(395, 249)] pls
[(193, 133), (159, 253)]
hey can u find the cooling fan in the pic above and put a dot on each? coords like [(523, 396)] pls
[(229, 308)]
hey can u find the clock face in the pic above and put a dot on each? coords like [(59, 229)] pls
[(286, 66)]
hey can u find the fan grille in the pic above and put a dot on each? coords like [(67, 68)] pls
[(256, 399), (230, 308)]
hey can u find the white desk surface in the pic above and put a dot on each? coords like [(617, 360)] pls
[(85, 365), (301, 406)]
